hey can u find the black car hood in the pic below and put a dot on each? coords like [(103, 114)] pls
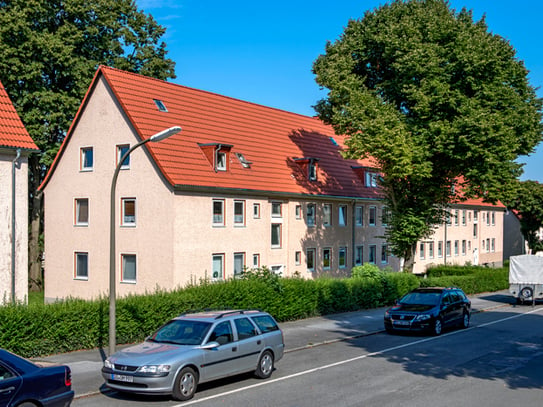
[(411, 308)]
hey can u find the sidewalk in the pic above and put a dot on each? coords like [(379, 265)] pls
[(86, 365)]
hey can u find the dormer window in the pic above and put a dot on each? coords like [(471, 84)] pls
[(310, 165), (217, 154), (369, 176), (160, 105), (371, 179)]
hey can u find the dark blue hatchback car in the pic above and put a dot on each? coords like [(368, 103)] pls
[(429, 309), (25, 384)]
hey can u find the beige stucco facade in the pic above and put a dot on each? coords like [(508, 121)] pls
[(8, 157), (182, 234)]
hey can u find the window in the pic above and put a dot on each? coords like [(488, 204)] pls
[(456, 217), (218, 212), (220, 164), (298, 258), (245, 328), (385, 215), (81, 211), (483, 244), (218, 267), (373, 215), (359, 255), (128, 217), (256, 211), (327, 215), (440, 249), (312, 171), (256, 260), (371, 179), (488, 218), (298, 211), (422, 254), (488, 245), (276, 209), (463, 247), (239, 264), (342, 213), (464, 217), (239, 213), (384, 254), (128, 268), (359, 215), (430, 250), (160, 105), (342, 260), (276, 235), (493, 218), (372, 254), (81, 266), (277, 269), (475, 216), (310, 259), (493, 248), (475, 230), (86, 159), (310, 215), (121, 151), (456, 247), (448, 248), (243, 161), (222, 334), (326, 258)]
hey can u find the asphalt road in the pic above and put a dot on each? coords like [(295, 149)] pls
[(495, 362)]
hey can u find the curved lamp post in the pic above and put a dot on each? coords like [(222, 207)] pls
[(164, 134)]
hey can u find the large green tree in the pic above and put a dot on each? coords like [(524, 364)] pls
[(441, 103), (49, 52), (527, 201)]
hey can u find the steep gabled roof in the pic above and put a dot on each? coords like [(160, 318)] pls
[(12, 131), (269, 139)]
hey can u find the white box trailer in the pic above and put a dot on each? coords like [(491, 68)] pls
[(526, 277)]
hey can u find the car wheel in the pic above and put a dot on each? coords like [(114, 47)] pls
[(465, 320), (185, 384), (438, 327), (526, 293), (265, 365)]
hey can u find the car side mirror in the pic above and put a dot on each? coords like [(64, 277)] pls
[(210, 345)]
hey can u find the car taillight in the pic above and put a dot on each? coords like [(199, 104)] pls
[(68, 377)]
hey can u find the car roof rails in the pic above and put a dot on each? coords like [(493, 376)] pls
[(233, 312)]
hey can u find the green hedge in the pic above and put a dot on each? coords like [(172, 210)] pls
[(38, 330)]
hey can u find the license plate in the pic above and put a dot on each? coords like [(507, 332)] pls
[(122, 378), (401, 322)]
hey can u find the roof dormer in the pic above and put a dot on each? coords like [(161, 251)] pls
[(309, 165), (369, 176), (217, 154)]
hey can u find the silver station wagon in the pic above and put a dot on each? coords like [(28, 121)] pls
[(197, 348)]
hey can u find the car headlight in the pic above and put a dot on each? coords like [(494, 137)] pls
[(109, 364), (422, 317), (154, 369)]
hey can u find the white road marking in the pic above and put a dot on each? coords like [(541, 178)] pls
[(343, 362)]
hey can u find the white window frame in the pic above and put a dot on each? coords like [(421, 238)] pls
[(311, 215), (371, 179), (215, 219), (256, 260), (342, 257), (121, 150), (298, 257), (422, 250), (464, 245), (274, 212), (125, 221), (239, 219), (359, 255), (312, 171), (220, 163), (236, 259), (77, 212), (440, 249), (124, 258), (342, 215), (79, 275), (256, 211), (327, 215), (430, 250), (372, 255), (279, 227), (359, 215), (298, 211), (83, 158), (456, 247), (220, 273)]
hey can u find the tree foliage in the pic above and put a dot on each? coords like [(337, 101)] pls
[(49, 52), (528, 203), (435, 99)]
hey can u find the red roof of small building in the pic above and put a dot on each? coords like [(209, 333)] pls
[(12, 131), (272, 140)]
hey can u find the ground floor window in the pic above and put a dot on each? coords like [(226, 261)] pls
[(239, 263), (342, 260), (128, 268), (310, 259), (81, 266), (218, 267), (372, 254)]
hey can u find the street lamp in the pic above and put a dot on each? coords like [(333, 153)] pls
[(164, 134)]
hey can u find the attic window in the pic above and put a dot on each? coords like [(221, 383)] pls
[(244, 162), (310, 165), (334, 142), (217, 155), (160, 104)]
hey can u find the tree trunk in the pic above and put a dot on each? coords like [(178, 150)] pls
[(35, 276)]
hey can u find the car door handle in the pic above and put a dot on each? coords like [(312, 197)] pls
[(9, 389), (258, 342), (234, 349)]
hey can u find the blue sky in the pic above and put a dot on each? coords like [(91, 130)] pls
[(263, 52)]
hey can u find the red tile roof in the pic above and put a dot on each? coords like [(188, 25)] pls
[(12, 131)]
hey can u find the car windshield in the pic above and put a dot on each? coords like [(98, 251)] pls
[(181, 332), (421, 298)]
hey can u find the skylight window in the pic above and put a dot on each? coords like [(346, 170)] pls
[(334, 142), (244, 162), (160, 104)]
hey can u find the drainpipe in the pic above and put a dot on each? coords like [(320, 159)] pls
[(353, 234), (13, 225)]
